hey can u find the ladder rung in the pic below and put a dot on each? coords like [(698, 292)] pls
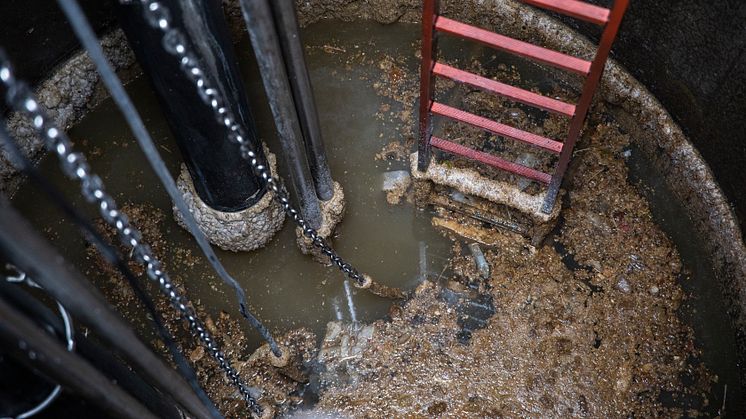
[(489, 159), (502, 89), (524, 49), (578, 9), (496, 128)]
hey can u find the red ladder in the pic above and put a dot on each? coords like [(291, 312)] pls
[(432, 23)]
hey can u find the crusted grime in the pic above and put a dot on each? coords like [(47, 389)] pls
[(602, 338), (244, 230), (332, 212)]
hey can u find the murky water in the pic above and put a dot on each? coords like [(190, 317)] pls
[(396, 244)]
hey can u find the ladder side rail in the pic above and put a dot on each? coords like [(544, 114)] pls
[(429, 15), (586, 97)]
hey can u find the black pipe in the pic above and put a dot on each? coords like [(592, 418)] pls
[(98, 356), (221, 178), (288, 30), (264, 40), (37, 349), (33, 255)]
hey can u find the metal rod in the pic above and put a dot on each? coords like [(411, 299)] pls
[(429, 14), (37, 349), (258, 17), (33, 255), (586, 97), (292, 49), (98, 356)]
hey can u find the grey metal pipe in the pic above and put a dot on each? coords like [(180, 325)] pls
[(26, 249), (292, 49), (258, 17), (30, 345)]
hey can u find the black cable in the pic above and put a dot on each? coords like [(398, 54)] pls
[(88, 38), (111, 256), (99, 356)]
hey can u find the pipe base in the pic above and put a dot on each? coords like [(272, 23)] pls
[(240, 231), (332, 212)]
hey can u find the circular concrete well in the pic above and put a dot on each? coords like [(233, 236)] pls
[(632, 306)]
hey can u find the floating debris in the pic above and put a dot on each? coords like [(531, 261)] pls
[(623, 285), (395, 184), (394, 180), (528, 160), (482, 266), (350, 302)]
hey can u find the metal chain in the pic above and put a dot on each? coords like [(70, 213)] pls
[(174, 42), (74, 164)]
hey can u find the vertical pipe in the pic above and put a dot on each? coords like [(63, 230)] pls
[(586, 97), (295, 62), (429, 14), (222, 179), (258, 17)]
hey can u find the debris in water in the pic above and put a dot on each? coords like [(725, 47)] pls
[(337, 310), (342, 343), (528, 160), (395, 185), (623, 285), (395, 180), (482, 266)]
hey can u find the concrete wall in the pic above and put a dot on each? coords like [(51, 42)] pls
[(691, 54), (37, 37)]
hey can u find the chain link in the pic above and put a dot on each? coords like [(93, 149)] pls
[(174, 42), (74, 164)]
